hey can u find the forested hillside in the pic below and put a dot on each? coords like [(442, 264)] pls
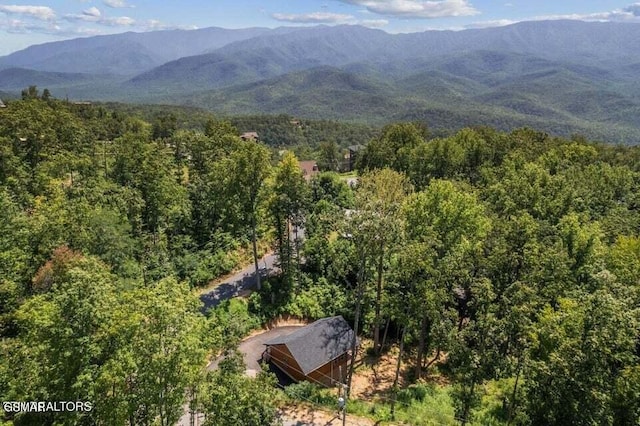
[(500, 272), (505, 263), (107, 223)]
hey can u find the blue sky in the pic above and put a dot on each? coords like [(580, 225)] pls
[(23, 23)]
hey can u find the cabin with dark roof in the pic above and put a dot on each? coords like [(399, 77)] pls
[(319, 352)]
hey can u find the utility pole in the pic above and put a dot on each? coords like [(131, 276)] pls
[(342, 398), (342, 404)]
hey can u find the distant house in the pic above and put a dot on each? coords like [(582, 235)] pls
[(2, 105), (318, 353), (250, 136), (351, 157), (309, 169)]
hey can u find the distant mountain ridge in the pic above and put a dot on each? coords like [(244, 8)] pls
[(127, 53), (270, 54), (561, 76)]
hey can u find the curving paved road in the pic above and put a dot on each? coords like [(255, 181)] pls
[(236, 284), (244, 280)]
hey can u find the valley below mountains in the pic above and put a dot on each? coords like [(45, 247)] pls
[(562, 77)]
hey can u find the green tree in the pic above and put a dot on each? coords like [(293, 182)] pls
[(288, 205), (519, 187), (158, 338), (46, 95), (249, 167), (330, 157), (626, 398), (453, 223), (475, 357), (623, 260), (60, 347), (31, 92), (379, 199), (164, 126), (579, 354), (436, 159), (207, 181), (148, 168), (392, 148), (232, 398), (331, 188)]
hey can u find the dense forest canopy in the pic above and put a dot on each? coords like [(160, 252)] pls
[(282, 130), (503, 266)]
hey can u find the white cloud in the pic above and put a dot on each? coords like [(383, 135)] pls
[(633, 9), (92, 11), (120, 21), (313, 18), (44, 13), (489, 24), (17, 26), (96, 17), (329, 18), (599, 16), (155, 25), (91, 21), (116, 3), (417, 9), (81, 17), (82, 31), (630, 13)]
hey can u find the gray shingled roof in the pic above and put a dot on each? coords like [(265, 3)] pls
[(318, 343)]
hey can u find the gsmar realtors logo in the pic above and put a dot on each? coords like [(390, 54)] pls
[(46, 406)]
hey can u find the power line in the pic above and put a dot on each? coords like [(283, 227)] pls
[(316, 404), (341, 401), (379, 396)]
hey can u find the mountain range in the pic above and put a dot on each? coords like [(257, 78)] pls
[(563, 77)]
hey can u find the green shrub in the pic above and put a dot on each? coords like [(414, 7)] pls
[(312, 301), (321, 299), (416, 392), (309, 392), (231, 321)]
